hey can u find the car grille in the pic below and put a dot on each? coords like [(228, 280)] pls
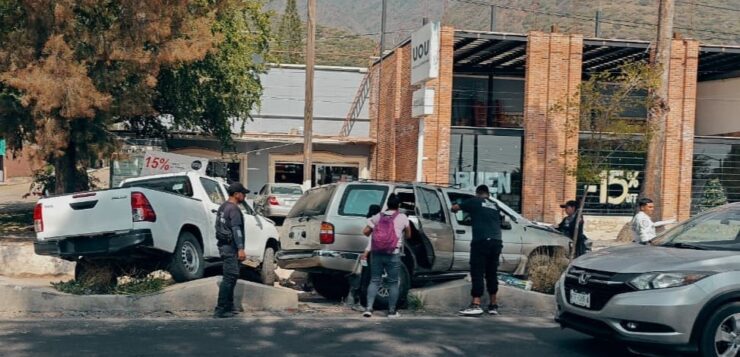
[(602, 286)]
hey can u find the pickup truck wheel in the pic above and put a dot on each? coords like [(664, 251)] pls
[(721, 335), (332, 287), (383, 297), (269, 263), (187, 261)]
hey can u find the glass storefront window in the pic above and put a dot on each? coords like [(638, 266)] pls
[(471, 106), (322, 174), (491, 157), (620, 186), (716, 172)]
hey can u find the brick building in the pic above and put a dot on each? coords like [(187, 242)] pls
[(489, 119)]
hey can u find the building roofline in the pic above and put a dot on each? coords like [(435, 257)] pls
[(319, 68)]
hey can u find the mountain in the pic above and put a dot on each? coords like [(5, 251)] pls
[(712, 21)]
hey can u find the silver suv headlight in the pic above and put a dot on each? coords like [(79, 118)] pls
[(656, 280)]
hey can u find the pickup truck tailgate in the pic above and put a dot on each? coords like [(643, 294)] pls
[(86, 214)]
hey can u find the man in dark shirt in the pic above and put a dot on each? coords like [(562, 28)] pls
[(568, 225), (485, 249), (230, 234)]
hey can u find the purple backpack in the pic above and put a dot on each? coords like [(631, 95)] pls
[(384, 238)]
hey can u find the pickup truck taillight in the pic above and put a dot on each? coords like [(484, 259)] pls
[(38, 218), (272, 200), (327, 233), (141, 209)]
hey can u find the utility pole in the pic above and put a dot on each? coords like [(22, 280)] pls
[(659, 114), (308, 100), (379, 90)]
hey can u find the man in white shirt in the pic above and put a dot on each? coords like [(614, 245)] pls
[(643, 228)]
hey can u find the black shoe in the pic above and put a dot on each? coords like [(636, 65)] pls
[(493, 309), (223, 315)]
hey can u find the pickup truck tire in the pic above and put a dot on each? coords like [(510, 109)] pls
[(332, 287), (187, 261), (382, 299), (267, 273)]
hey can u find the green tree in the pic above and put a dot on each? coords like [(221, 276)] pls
[(76, 67), (713, 195), (290, 35), (595, 117), (217, 95)]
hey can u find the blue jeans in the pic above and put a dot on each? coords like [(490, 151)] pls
[(391, 264)]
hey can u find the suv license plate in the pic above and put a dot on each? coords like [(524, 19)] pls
[(580, 299)]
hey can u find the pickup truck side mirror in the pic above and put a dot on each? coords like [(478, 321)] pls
[(505, 224)]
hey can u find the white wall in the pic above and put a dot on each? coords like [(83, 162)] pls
[(718, 107)]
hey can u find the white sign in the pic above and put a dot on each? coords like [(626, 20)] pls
[(425, 53), (498, 182), (422, 102), (157, 163), (625, 180)]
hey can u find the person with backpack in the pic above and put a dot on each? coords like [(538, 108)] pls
[(387, 230), (485, 248)]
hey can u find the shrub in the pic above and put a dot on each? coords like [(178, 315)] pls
[(545, 270)]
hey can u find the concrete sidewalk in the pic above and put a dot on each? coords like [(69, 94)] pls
[(21, 297)]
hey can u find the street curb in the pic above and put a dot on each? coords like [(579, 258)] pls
[(199, 295), (452, 296), (18, 259)]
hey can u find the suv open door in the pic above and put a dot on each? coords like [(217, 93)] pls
[(435, 223)]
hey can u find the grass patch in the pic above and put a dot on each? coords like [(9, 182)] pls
[(545, 270), (99, 281), (415, 302), (15, 222)]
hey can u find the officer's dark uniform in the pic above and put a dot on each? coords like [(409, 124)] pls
[(229, 231)]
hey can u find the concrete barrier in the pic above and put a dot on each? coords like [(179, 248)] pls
[(19, 297), (17, 259), (452, 296)]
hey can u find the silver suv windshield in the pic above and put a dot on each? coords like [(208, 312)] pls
[(715, 229)]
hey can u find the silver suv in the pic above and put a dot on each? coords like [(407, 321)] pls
[(681, 293), (323, 235)]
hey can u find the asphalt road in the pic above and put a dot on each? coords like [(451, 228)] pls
[(298, 336)]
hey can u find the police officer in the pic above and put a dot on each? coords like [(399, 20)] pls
[(230, 234)]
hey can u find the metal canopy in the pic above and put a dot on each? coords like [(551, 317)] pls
[(506, 53)]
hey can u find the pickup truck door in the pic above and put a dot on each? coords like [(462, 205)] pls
[(254, 244), (215, 195), (512, 232), (434, 223)]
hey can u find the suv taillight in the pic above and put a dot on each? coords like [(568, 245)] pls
[(327, 233), (141, 210), (38, 218), (273, 201)]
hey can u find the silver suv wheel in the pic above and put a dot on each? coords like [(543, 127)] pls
[(727, 337)]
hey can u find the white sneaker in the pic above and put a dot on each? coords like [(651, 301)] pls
[(394, 315), (367, 313), (472, 310)]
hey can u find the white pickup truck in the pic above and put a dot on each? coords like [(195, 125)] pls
[(149, 223)]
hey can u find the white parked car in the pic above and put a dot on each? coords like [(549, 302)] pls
[(149, 223)]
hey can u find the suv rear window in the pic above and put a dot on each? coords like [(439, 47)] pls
[(313, 202), (179, 185), (357, 199)]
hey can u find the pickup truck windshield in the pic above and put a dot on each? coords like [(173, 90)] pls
[(179, 185)]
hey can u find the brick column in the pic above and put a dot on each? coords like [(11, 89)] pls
[(678, 147), (553, 74)]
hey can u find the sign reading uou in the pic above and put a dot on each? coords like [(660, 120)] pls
[(623, 181), (498, 182), (425, 53), (422, 102), (157, 162)]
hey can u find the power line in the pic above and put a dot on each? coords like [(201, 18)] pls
[(709, 6)]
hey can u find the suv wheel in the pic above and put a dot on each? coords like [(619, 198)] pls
[(332, 287), (187, 261), (721, 336)]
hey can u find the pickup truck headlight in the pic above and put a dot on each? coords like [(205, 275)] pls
[(650, 281)]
